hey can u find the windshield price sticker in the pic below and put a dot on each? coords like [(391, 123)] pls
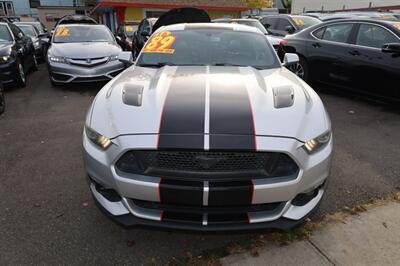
[(397, 26), (129, 28), (299, 21), (62, 31), (161, 43)]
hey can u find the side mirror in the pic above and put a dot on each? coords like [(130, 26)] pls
[(20, 36), (290, 29), (290, 59), (145, 33), (118, 38), (126, 58), (393, 48)]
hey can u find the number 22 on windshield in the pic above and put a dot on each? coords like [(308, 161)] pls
[(161, 43)]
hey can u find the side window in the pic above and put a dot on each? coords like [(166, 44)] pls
[(146, 26), (269, 22), (319, 33), (374, 36), (337, 33), (282, 24)]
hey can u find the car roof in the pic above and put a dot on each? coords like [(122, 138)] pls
[(82, 25), (214, 26)]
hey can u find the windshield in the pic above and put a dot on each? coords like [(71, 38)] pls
[(303, 22), (72, 34), (28, 30), (208, 47), (130, 29), (5, 35)]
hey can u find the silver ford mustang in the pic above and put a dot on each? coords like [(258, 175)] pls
[(208, 131), (83, 53)]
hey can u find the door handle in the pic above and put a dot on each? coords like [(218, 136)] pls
[(316, 45), (354, 53)]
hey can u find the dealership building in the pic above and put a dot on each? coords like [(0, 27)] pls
[(300, 6), (113, 12)]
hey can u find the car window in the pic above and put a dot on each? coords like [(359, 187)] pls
[(146, 26), (28, 30), (209, 47), (337, 33), (303, 22), (71, 34), (374, 36), (282, 24), (269, 22), (15, 30), (319, 33), (5, 35)]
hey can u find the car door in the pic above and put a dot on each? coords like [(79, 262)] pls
[(374, 71), (23, 45), (327, 49)]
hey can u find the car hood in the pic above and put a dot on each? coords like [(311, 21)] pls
[(207, 100), (84, 50)]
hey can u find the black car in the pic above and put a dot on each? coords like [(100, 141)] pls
[(282, 25), (17, 54), (357, 54), (140, 37), (174, 16), (40, 27), (33, 33), (125, 34)]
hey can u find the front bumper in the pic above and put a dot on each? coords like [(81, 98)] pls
[(68, 73), (131, 191), (8, 72)]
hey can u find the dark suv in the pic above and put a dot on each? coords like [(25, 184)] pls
[(282, 25)]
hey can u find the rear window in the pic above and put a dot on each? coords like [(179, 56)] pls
[(303, 22)]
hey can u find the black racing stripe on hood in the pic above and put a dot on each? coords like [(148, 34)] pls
[(182, 122), (231, 117)]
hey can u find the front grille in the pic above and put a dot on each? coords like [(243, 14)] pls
[(207, 164), (88, 62)]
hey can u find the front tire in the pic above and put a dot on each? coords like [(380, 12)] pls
[(301, 69), (21, 75)]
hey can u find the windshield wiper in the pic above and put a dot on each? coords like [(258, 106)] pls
[(161, 64)]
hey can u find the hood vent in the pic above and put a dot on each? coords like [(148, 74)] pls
[(132, 94), (283, 96)]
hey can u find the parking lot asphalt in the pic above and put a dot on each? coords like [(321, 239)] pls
[(47, 215)]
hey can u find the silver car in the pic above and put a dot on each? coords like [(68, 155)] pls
[(208, 131), (83, 53)]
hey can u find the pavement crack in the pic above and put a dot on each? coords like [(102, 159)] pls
[(321, 252)]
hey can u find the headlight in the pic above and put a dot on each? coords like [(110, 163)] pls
[(98, 139), (317, 143), (36, 44), (5, 59), (57, 59), (113, 58)]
